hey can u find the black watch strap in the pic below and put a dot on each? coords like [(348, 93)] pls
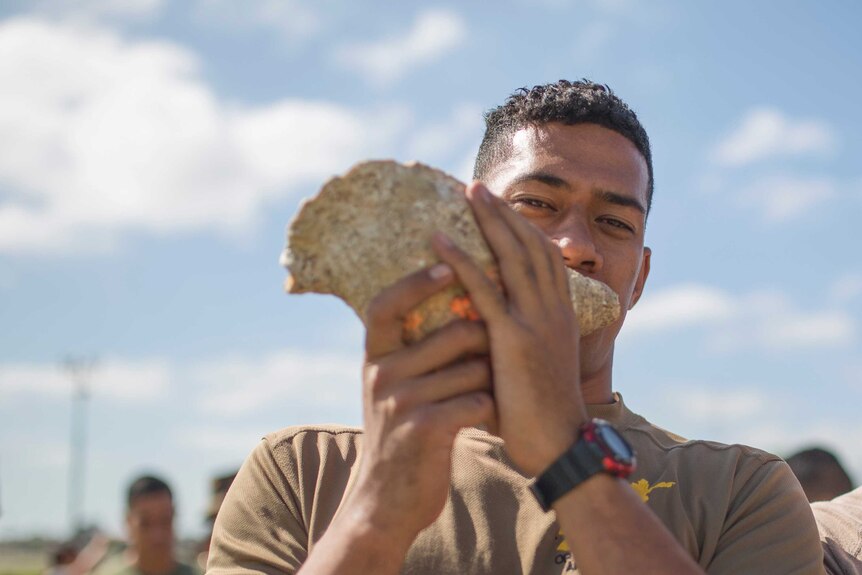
[(572, 468)]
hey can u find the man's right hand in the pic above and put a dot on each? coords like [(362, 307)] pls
[(415, 400)]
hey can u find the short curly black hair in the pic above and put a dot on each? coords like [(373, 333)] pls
[(569, 103)]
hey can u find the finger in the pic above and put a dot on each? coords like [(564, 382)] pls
[(464, 377), (485, 295), (561, 281), (385, 315), (451, 342), (513, 246), (544, 254), (546, 257), (466, 410)]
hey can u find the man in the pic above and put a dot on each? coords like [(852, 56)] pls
[(150, 526), (420, 490), (820, 473), (840, 525)]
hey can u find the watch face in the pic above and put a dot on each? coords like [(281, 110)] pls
[(615, 442)]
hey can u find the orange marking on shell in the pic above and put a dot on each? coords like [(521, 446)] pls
[(462, 306), (412, 323)]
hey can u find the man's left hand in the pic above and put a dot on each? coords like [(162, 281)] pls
[(533, 332)]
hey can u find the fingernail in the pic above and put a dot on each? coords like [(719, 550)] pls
[(440, 271)]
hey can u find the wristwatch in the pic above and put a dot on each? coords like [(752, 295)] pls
[(599, 449)]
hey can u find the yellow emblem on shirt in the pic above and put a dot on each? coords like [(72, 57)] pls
[(643, 487), (563, 547)]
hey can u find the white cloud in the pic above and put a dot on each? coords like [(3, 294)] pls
[(229, 386), (679, 307), (766, 320), (115, 379), (807, 330), (718, 405), (104, 135), (765, 133), (769, 320), (88, 10), (239, 386), (784, 198), (294, 20), (434, 34)]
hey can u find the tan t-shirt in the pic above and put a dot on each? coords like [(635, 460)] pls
[(735, 509), (840, 525)]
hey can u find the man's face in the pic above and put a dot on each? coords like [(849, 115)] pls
[(585, 186), (150, 522)]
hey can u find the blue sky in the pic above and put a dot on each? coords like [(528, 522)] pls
[(152, 152)]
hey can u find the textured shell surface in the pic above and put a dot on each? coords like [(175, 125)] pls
[(369, 228)]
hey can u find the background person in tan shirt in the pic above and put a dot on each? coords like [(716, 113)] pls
[(419, 491), (840, 524)]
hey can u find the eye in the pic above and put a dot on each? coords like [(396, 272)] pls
[(531, 203), (616, 223)]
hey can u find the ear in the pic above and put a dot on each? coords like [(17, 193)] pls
[(642, 277)]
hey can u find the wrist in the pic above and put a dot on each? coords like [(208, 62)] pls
[(553, 443), (358, 532), (371, 521), (599, 450)]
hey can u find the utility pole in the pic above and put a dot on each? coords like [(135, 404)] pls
[(79, 370)]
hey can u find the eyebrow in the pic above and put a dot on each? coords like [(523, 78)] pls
[(607, 196), (620, 200), (541, 177)]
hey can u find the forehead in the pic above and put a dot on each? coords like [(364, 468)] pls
[(152, 504), (582, 154)]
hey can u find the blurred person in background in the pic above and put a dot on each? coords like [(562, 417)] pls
[(219, 487), (820, 473), (840, 524), (150, 527), (70, 559)]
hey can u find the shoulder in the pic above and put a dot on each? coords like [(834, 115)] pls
[(312, 443), (302, 434), (655, 442), (284, 496), (840, 524), (729, 480)]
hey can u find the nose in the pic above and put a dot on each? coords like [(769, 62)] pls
[(577, 247)]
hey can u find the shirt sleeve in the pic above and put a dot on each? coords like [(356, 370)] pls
[(769, 527), (259, 527), (840, 525)]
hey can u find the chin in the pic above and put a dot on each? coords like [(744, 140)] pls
[(597, 350)]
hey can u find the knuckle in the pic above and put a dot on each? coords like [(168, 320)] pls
[(398, 402)]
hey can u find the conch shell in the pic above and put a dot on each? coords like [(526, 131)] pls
[(369, 228)]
